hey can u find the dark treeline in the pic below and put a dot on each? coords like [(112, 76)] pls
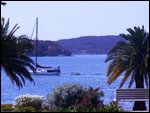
[(90, 44), (49, 48), (76, 46)]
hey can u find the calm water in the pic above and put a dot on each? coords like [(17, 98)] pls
[(91, 67)]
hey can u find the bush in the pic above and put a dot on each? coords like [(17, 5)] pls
[(112, 107), (107, 108), (70, 109), (34, 101), (65, 96), (30, 109), (6, 107), (74, 96), (87, 109), (91, 99), (91, 102), (24, 109)]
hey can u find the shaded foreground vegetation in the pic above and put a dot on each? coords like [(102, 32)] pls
[(107, 108), (66, 98)]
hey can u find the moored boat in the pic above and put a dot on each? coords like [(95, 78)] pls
[(43, 70), (47, 71)]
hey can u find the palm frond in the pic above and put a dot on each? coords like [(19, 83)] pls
[(4, 29), (131, 55), (13, 30), (131, 31), (146, 79), (21, 70), (111, 67), (26, 63), (126, 37), (126, 76), (2, 23), (132, 79), (116, 73), (14, 78), (14, 59)]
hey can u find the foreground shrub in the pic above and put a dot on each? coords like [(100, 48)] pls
[(106, 108), (91, 99), (112, 107), (30, 109), (6, 107), (64, 96), (34, 101), (25, 109), (74, 96)]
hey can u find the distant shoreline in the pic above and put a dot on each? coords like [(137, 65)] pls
[(75, 55)]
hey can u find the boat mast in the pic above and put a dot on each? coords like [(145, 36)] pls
[(36, 42)]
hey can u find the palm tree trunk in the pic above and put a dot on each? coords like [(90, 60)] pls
[(139, 82)]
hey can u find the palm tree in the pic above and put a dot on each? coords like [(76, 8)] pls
[(131, 57), (14, 59)]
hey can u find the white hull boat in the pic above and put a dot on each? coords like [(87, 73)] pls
[(40, 71), (43, 70)]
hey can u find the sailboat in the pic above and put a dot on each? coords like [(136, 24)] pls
[(43, 70)]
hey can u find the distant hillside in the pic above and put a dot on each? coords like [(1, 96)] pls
[(49, 48), (89, 44), (77, 46)]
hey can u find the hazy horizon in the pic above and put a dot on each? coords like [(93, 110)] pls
[(71, 19)]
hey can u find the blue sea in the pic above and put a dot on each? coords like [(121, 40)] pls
[(92, 69)]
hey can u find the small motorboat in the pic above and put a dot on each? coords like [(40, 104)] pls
[(75, 73)]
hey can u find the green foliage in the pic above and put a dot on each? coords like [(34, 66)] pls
[(74, 96), (106, 108), (25, 109), (49, 48), (65, 95), (11, 108), (29, 101), (14, 59), (112, 107), (44, 110), (6, 107), (130, 56), (30, 109), (65, 110), (90, 99)]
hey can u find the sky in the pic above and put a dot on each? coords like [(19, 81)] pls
[(71, 19)]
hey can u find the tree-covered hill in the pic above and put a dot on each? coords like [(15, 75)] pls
[(49, 48), (89, 44), (77, 46)]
